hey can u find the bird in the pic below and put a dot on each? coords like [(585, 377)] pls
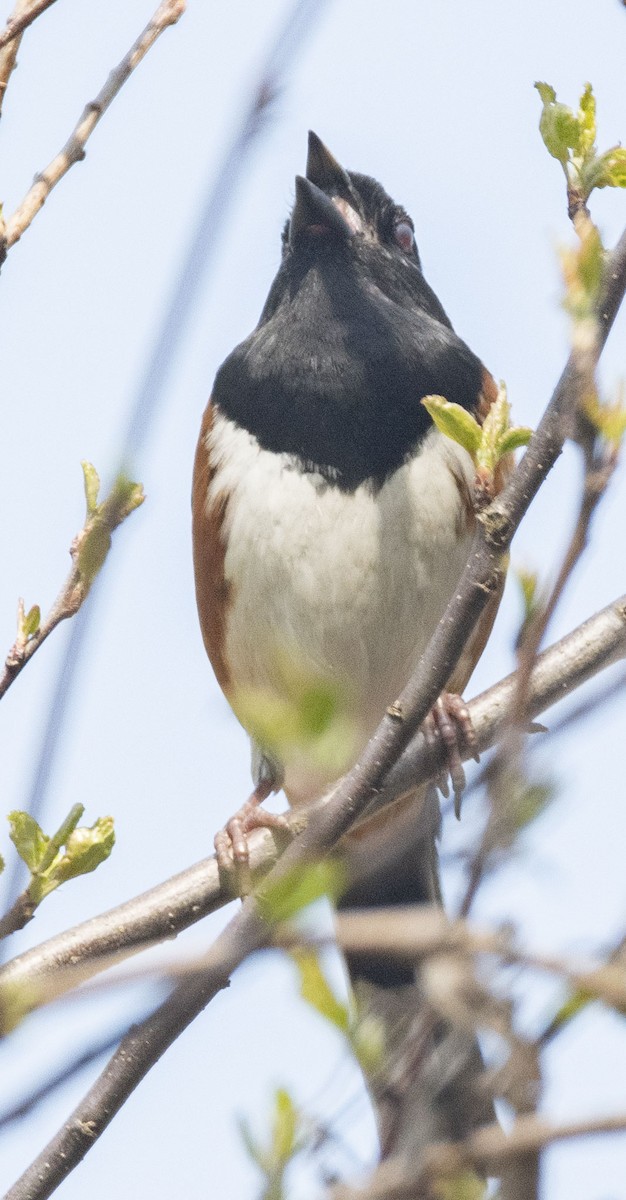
[(331, 518)]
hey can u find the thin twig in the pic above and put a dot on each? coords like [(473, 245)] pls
[(94, 538), (168, 13), (487, 1150), (417, 931), (55, 1081), (9, 51), (20, 19)]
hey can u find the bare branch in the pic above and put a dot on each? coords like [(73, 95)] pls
[(168, 13), (67, 1072), (23, 14), (21, 17)]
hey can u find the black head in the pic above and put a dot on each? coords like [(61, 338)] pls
[(351, 336)]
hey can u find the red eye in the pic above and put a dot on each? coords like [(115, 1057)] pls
[(403, 235)]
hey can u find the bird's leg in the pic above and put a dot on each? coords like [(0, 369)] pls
[(231, 843), (450, 717)]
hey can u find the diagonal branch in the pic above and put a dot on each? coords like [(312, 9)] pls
[(173, 906), (88, 550), (168, 13)]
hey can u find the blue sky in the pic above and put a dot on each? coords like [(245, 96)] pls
[(437, 101)]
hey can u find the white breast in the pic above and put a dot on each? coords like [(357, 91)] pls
[(351, 584)]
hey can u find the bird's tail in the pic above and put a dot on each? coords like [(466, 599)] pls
[(431, 1085)]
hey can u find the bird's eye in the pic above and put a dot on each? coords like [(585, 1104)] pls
[(404, 237)]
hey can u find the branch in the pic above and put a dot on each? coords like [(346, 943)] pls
[(67, 1072), (10, 39), (488, 1150), (20, 19), (167, 909), (408, 934), (168, 13), (88, 550)]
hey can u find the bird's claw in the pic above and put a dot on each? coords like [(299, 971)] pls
[(231, 843), (450, 718)]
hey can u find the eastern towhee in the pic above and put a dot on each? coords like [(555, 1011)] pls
[(331, 519)]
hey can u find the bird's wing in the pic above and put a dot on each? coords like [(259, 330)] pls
[(209, 549)]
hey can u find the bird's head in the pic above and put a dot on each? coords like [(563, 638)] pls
[(347, 230), (351, 336)]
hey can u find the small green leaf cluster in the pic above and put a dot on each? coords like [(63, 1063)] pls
[(27, 622), (363, 1032), (488, 443), (288, 1137), (69, 852), (307, 717), (532, 597), (570, 137), (465, 1185), (94, 541), (289, 895), (608, 418), (582, 266)]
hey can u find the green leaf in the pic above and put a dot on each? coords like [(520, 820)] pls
[(315, 989), (547, 92), (30, 622), (94, 541), (124, 498), (558, 125), (574, 1005), (285, 1127), (58, 839), (527, 581), (454, 421), (28, 838), (609, 169), (282, 900), (368, 1042), (587, 120), (94, 545), (531, 802), (514, 438), (591, 262), (609, 419), (310, 718), (2, 864), (464, 1186), (92, 486), (285, 1142), (495, 428), (85, 849)]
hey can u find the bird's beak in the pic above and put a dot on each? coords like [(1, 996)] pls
[(315, 212), (325, 172)]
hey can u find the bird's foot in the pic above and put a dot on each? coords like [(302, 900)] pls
[(231, 843), (450, 718)]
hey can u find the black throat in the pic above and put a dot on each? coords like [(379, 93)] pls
[(349, 342)]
